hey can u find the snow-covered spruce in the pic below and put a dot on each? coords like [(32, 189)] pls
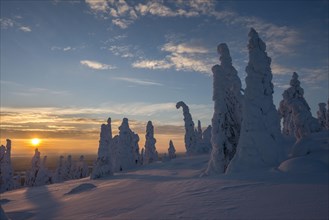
[(206, 139), (44, 176), (226, 121), (6, 170), (322, 115), (190, 137), (125, 148), (171, 150), (150, 149), (293, 97), (103, 163), (81, 168), (59, 172), (260, 137), (31, 175)]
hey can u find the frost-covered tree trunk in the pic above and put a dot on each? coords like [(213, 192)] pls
[(260, 138), (322, 115), (171, 150), (226, 121), (293, 97), (150, 149), (190, 135), (103, 163), (31, 175), (6, 170)]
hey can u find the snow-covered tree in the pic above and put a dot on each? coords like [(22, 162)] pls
[(293, 97), (322, 115), (68, 173), (198, 132), (327, 115), (190, 137), (81, 168), (126, 149), (103, 164), (6, 170), (31, 175), (59, 172), (171, 150), (43, 176), (206, 138), (226, 121), (142, 157), (260, 137), (150, 149)]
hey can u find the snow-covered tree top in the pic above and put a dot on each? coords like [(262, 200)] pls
[(255, 42), (294, 81), (225, 57), (149, 129), (124, 125), (183, 105), (109, 121)]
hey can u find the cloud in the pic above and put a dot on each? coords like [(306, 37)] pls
[(138, 81), (98, 5), (97, 65), (124, 51), (183, 48), (152, 64), (6, 23), (278, 69), (25, 29)]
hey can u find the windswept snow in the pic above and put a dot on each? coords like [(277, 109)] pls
[(174, 190)]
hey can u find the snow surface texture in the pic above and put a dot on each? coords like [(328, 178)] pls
[(226, 121), (151, 154), (103, 164), (6, 170), (125, 148), (173, 190), (295, 112), (260, 138)]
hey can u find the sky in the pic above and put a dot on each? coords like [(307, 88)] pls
[(66, 66)]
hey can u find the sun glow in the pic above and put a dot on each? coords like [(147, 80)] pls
[(35, 141)]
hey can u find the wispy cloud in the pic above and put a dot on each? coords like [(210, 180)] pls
[(25, 29), (6, 23), (183, 48), (138, 81), (97, 65), (152, 64)]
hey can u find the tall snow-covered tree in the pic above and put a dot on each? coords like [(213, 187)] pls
[(81, 168), (190, 137), (171, 150), (327, 116), (126, 149), (150, 149), (322, 115), (293, 97), (206, 138), (6, 170), (226, 121), (44, 175), (60, 171), (68, 169), (31, 175), (260, 137), (103, 163)]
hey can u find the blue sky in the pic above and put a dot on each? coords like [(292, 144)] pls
[(68, 65)]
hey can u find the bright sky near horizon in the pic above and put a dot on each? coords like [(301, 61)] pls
[(66, 66)]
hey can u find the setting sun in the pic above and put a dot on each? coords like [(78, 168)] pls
[(35, 141)]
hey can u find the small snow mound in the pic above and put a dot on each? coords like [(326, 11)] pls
[(81, 188), (303, 165)]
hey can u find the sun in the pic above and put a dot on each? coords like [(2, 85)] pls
[(35, 141)]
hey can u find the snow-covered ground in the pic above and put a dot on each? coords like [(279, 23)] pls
[(175, 190)]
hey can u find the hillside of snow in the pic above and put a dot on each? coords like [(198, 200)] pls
[(298, 189)]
